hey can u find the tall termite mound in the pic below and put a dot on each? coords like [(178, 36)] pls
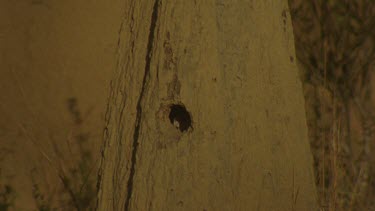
[(206, 110)]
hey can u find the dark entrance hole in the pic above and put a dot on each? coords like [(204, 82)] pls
[(180, 117)]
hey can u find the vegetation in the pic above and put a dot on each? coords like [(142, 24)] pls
[(7, 197), (77, 179), (7, 194), (335, 47)]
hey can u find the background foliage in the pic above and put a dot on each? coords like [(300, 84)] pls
[(335, 48)]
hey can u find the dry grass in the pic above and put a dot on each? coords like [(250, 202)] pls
[(335, 47), (72, 166), (7, 195), (70, 161), (75, 169)]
